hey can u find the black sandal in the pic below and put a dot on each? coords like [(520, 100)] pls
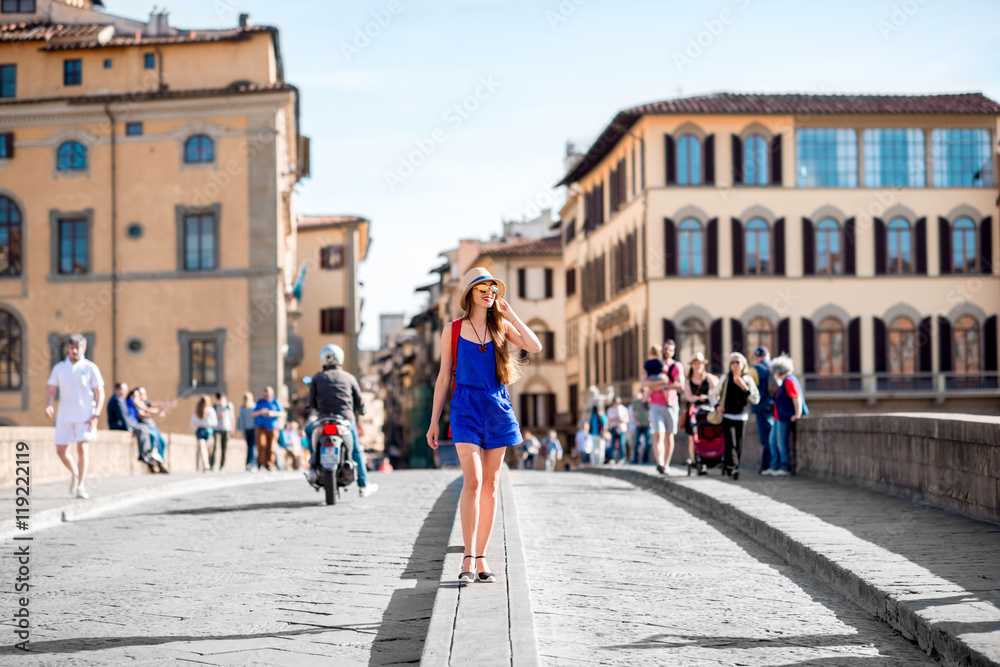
[(486, 577), (467, 577)]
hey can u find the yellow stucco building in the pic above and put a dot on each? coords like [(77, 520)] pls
[(857, 233), (146, 178)]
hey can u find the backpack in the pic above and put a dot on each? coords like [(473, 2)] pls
[(456, 333), (772, 386)]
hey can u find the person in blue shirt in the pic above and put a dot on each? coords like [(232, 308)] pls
[(764, 410), (120, 418), (266, 415)]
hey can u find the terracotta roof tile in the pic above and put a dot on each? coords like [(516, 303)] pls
[(786, 104), (41, 31), (312, 221), (38, 31), (524, 248), (239, 89)]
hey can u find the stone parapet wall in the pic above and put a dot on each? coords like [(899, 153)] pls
[(949, 460), (112, 454)]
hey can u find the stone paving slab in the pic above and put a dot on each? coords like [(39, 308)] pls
[(623, 576), (931, 575)]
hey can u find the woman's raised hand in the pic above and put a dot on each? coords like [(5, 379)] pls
[(432, 436), (506, 311)]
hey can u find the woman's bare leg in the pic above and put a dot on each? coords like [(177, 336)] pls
[(472, 482), (492, 461)]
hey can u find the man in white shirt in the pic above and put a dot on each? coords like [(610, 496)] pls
[(81, 395)]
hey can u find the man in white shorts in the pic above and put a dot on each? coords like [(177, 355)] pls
[(81, 395), (664, 413)]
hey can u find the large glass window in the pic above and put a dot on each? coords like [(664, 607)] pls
[(829, 256), (830, 345), (691, 244), (10, 238), (199, 148), (10, 351), (692, 339), (72, 72), (204, 363), (760, 333), (963, 246), (827, 158), (71, 156), (758, 245), (900, 246), (199, 242), (902, 346), (966, 336), (962, 158), (895, 158), (8, 80), (18, 6), (756, 170), (688, 160), (74, 255)]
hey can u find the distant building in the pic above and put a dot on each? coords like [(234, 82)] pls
[(146, 182), (390, 325), (857, 233)]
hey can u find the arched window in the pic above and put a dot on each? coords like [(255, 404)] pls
[(688, 160), (902, 346), (963, 246), (966, 337), (760, 333), (756, 170), (10, 238), (691, 242), (71, 156), (10, 351), (830, 344), (900, 246), (829, 253), (758, 244), (199, 148), (692, 340)]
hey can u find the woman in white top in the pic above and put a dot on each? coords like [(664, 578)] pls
[(734, 396), (204, 422)]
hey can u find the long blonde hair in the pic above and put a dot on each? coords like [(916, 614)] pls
[(508, 366), (248, 401)]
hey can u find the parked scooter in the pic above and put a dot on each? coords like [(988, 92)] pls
[(336, 469)]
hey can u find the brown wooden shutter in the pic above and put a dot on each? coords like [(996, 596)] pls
[(808, 248), (324, 257), (712, 247), (854, 346), (776, 160), (671, 158), (881, 248), (669, 332), (808, 346), (548, 283), (670, 251), (550, 404), (990, 344), (924, 345), (709, 160), (737, 144), (986, 245), (779, 247), (944, 345), (920, 246), (738, 248), (715, 346), (944, 245), (571, 282), (8, 144), (525, 417), (736, 335), (784, 337), (522, 283), (849, 250), (881, 346)]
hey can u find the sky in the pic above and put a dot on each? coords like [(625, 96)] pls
[(380, 81)]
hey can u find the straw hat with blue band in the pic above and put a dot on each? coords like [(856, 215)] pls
[(478, 275)]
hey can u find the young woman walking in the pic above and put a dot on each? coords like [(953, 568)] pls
[(204, 422), (735, 394), (474, 352)]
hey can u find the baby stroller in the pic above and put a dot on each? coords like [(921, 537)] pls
[(709, 445)]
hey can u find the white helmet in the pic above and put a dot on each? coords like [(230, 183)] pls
[(331, 355)]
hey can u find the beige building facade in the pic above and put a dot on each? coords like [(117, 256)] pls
[(145, 201), (856, 233)]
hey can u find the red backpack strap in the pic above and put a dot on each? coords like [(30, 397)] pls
[(456, 333)]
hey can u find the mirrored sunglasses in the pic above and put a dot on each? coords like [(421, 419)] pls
[(483, 289)]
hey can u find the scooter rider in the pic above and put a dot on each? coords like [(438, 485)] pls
[(334, 392)]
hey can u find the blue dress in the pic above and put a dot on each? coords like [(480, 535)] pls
[(481, 411)]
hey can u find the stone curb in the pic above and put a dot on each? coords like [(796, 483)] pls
[(75, 511), (523, 646), (883, 604)]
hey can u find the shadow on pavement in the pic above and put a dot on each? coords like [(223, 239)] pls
[(408, 614)]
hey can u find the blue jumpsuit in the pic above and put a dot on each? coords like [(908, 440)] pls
[(481, 411)]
